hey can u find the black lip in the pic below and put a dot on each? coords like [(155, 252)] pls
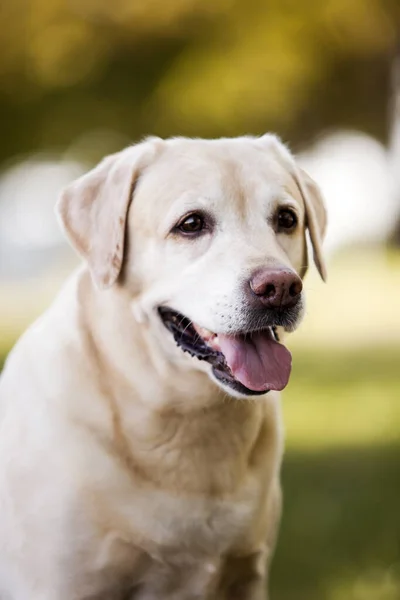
[(187, 338)]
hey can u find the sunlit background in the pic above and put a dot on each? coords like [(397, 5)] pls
[(82, 78)]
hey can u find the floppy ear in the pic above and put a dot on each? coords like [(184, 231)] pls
[(94, 208), (316, 217)]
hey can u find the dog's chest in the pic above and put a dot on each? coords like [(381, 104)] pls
[(201, 524), (204, 484), (187, 537)]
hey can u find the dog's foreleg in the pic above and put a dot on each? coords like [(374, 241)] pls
[(245, 577)]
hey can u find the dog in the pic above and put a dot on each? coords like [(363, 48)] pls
[(140, 423)]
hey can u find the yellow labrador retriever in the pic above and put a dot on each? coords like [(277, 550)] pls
[(140, 428)]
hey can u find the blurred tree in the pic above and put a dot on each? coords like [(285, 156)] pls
[(196, 67)]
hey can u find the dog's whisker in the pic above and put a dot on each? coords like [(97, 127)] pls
[(190, 324)]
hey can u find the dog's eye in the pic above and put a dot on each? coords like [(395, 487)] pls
[(287, 219), (191, 224)]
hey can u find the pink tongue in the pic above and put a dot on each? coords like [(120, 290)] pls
[(258, 362)]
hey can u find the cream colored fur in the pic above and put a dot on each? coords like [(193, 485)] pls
[(126, 471)]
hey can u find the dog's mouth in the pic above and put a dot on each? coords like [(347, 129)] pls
[(251, 363)]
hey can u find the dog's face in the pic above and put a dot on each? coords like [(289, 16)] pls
[(214, 252)]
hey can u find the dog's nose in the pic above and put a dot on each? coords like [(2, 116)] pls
[(276, 288)]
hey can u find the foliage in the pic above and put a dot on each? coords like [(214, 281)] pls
[(198, 67)]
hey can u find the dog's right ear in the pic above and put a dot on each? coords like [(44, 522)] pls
[(94, 208)]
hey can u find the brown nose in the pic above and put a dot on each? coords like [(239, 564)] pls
[(276, 288)]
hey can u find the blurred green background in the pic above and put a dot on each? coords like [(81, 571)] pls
[(82, 78)]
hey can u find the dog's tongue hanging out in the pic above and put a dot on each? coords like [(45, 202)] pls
[(257, 361)]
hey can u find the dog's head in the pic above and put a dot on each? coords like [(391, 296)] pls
[(209, 239)]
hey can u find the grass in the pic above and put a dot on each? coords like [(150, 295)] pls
[(343, 398), (340, 535)]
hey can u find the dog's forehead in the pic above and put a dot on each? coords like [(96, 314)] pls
[(241, 171)]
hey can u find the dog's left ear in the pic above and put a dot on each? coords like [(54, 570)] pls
[(94, 208), (316, 217)]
